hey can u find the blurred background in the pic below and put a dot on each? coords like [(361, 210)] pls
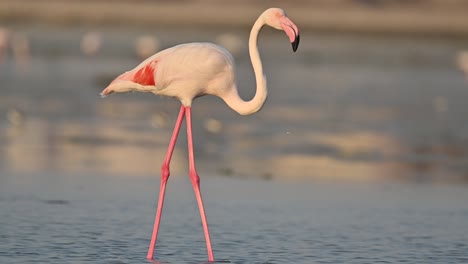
[(360, 154), (375, 92)]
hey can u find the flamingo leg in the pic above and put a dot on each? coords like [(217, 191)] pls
[(196, 183), (164, 177)]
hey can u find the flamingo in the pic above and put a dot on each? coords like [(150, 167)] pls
[(462, 61), (191, 70)]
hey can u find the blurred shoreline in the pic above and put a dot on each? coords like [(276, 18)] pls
[(427, 18), (389, 104)]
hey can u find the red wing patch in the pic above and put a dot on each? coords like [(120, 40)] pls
[(145, 75)]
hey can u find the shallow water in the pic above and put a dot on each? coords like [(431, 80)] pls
[(48, 218), (78, 218)]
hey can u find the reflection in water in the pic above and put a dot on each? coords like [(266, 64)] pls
[(343, 114), (72, 146), (4, 43), (462, 61), (21, 49)]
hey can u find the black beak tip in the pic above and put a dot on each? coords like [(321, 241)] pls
[(295, 43)]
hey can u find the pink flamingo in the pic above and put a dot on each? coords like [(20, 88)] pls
[(191, 70)]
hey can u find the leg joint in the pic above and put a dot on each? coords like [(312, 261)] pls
[(165, 172), (194, 178)]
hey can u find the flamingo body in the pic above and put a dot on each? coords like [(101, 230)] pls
[(191, 70), (212, 65), (167, 73)]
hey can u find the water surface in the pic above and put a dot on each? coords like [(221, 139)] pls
[(48, 218)]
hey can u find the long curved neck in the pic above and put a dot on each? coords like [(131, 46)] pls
[(254, 105)]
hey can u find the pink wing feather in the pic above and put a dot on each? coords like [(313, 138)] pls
[(142, 76)]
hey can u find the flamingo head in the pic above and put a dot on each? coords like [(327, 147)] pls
[(277, 18)]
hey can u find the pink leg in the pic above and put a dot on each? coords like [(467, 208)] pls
[(164, 177), (196, 184)]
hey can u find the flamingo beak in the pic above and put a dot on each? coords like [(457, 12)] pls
[(291, 30), (295, 43)]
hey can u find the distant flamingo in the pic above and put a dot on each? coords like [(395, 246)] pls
[(462, 60), (191, 70)]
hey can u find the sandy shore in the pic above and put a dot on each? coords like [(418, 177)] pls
[(447, 20)]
